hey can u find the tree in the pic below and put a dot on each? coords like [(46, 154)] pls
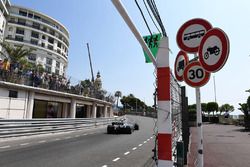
[(204, 107), (212, 106), (132, 102), (15, 54), (226, 108), (118, 94)]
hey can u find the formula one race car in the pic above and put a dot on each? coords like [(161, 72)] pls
[(120, 127)]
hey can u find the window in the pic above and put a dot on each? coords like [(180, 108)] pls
[(30, 15), (48, 61), (22, 13), (58, 51), (43, 45), (13, 93), (20, 31), (19, 38), (44, 29), (51, 40), (21, 21), (34, 42), (52, 32), (57, 72), (48, 69), (37, 17), (35, 34), (32, 57), (43, 37), (50, 47), (12, 20), (36, 25), (9, 37), (57, 64), (59, 44)]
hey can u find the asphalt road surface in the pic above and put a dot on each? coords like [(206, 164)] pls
[(87, 148)]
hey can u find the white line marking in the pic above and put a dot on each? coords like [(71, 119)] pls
[(105, 166), (116, 159), (134, 148), (57, 139), (42, 141), (8, 146), (85, 134), (69, 137), (151, 137), (76, 135), (126, 153), (148, 139), (24, 144), (140, 145), (145, 142)]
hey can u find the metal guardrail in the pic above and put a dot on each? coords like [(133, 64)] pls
[(27, 127)]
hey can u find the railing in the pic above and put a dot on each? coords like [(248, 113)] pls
[(27, 127)]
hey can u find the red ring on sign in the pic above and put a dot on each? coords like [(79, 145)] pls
[(184, 54), (180, 43), (195, 84), (225, 50)]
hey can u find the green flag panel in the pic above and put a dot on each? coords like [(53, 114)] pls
[(153, 44)]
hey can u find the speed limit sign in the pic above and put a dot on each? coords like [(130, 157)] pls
[(195, 75)]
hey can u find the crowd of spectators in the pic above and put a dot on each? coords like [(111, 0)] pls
[(16, 73)]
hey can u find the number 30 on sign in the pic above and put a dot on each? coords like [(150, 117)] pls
[(195, 75)]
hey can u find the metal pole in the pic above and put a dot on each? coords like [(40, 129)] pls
[(214, 90), (90, 62), (125, 16), (199, 127)]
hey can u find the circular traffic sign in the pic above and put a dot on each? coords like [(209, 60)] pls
[(214, 50), (195, 75), (181, 62), (190, 34)]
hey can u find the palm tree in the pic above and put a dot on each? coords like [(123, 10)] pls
[(15, 54), (118, 94)]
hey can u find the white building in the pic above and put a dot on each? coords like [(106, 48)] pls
[(48, 37), (4, 12)]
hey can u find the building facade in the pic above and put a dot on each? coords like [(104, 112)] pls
[(48, 37)]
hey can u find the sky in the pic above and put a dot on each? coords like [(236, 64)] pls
[(119, 58)]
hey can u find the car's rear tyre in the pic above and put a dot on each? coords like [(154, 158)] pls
[(128, 130), (110, 130), (136, 127)]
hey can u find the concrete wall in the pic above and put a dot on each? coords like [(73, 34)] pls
[(14, 108), (22, 107)]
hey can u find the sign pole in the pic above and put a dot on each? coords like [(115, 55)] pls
[(199, 126)]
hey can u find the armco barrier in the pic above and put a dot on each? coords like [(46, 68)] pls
[(27, 127)]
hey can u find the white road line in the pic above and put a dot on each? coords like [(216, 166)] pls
[(57, 139), (145, 142), (69, 137), (76, 135), (148, 139), (134, 148), (24, 144), (126, 153), (42, 141), (116, 159), (8, 146), (85, 134), (105, 166), (151, 137), (140, 145)]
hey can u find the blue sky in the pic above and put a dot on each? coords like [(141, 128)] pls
[(119, 57)]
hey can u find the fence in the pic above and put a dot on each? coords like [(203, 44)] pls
[(176, 107), (22, 127)]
